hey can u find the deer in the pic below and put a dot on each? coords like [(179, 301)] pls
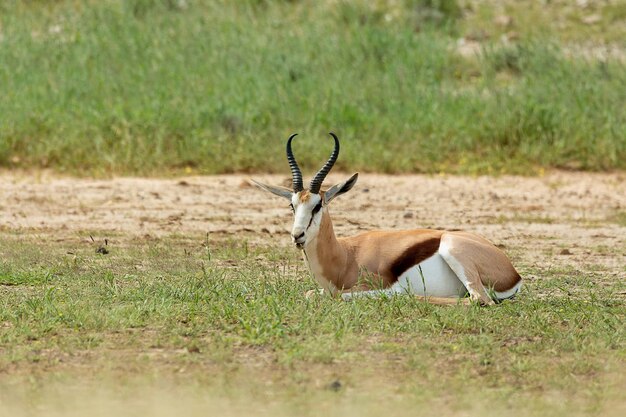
[(439, 266)]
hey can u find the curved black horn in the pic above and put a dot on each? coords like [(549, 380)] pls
[(316, 182), (295, 169)]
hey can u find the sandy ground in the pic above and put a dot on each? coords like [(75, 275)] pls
[(560, 220)]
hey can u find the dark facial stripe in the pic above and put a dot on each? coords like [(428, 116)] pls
[(313, 213), (317, 208), (413, 255)]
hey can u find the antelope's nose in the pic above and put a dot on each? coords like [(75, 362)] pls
[(297, 236), (298, 239)]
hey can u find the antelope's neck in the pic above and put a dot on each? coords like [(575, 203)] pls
[(331, 262)]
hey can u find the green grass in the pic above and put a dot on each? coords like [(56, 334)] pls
[(230, 318), (151, 87)]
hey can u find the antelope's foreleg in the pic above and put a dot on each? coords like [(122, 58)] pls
[(353, 293)]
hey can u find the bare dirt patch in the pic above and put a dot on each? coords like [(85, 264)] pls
[(560, 220)]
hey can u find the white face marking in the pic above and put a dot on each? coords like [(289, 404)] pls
[(306, 223)]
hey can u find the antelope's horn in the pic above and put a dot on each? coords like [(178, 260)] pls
[(316, 182), (295, 169)]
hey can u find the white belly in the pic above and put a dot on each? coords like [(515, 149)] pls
[(432, 277)]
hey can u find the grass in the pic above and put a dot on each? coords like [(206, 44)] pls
[(178, 321), (558, 19), (619, 218), (160, 86)]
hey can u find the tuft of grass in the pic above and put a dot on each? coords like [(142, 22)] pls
[(523, 218), (618, 218), (147, 87)]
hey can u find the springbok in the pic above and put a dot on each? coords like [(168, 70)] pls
[(439, 265)]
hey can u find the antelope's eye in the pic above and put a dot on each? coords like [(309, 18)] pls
[(292, 209)]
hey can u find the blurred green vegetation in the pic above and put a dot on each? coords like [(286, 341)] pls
[(156, 87)]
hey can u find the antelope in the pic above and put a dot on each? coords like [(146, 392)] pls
[(439, 266)]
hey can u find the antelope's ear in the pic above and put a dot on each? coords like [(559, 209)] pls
[(279, 191), (342, 187)]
